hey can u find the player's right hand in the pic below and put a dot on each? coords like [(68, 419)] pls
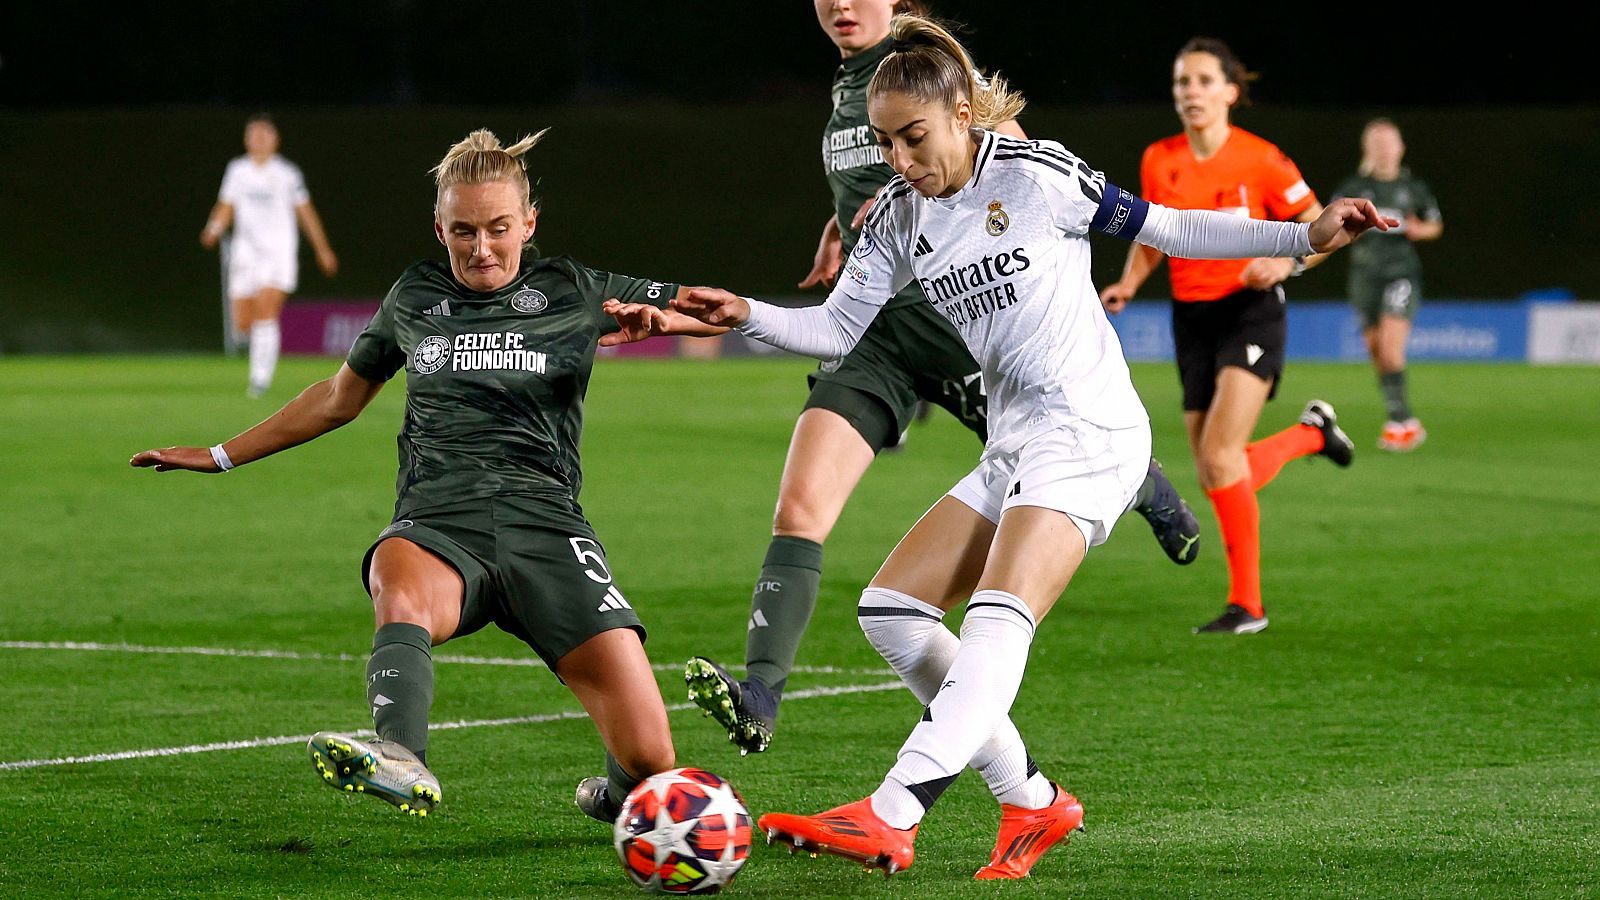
[(830, 255), (168, 459), (1115, 297), (713, 306), (635, 322)]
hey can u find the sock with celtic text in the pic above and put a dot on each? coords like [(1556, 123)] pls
[(400, 685), (780, 609)]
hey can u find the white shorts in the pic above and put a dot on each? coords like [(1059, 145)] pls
[(250, 271), (1090, 473)]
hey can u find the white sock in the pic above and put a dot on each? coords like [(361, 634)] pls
[(910, 636), (264, 339), (974, 698), (1018, 784)]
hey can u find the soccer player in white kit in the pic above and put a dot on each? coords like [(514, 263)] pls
[(263, 195), (996, 231)]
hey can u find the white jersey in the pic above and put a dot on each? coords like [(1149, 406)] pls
[(1006, 261), (264, 198)]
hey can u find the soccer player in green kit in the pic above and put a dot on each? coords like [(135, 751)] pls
[(1385, 273), (497, 348), (861, 404)]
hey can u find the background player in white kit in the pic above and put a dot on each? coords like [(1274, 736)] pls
[(995, 229), (263, 195)]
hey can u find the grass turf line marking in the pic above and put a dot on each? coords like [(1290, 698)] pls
[(253, 743), (533, 662)]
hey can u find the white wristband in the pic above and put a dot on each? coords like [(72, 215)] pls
[(220, 457)]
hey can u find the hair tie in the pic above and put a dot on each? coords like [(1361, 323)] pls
[(902, 46)]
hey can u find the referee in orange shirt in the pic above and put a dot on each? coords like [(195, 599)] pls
[(1228, 315)]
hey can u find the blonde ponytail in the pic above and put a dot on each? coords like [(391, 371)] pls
[(927, 62), (479, 159)]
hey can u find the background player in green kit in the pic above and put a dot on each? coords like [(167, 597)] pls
[(497, 349), (861, 404), (1385, 273)]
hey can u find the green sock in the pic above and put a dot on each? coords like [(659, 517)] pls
[(400, 684), (619, 782), (780, 609), (1146, 495), (1395, 400)]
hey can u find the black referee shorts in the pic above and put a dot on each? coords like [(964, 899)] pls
[(1247, 329)]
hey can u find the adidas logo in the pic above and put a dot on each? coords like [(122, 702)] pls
[(613, 600), (443, 309), (923, 247), (757, 621), (1252, 353)]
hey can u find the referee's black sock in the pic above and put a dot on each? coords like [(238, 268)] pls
[(400, 685)]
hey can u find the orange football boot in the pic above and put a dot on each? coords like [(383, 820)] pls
[(852, 831), (1025, 834)]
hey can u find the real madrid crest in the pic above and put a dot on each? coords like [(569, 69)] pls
[(529, 300), (997, 221)]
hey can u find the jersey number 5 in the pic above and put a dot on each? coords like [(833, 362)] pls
[(588, 552)]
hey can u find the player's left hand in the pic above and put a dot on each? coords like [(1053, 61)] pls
[(169, 459), (713, 306), (328, 263), (1344, 220), (1263, 273), (635, 321)]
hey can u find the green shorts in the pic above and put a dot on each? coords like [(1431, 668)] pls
[(908, 353), (1375, 295), (531, 564)]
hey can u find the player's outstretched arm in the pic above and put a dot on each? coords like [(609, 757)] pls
[(713, 306), (1345, 220), (318, 410), (638, 321)]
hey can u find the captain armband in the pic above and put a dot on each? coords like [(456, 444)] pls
[(1121, 214)]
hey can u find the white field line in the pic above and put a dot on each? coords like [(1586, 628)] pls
[(529, 661), (441, 726)]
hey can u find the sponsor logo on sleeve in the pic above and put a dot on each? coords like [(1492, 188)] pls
[(865, 245), (855, 272), (1297, 191)]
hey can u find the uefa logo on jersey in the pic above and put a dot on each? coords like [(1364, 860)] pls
[(529, 300), (996, 222), (865, 245), (431, 355)]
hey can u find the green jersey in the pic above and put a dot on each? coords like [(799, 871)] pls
[(850, 157), (494, 381), (1390, 253)]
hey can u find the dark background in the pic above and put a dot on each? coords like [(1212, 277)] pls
[(686, 135), (404, 52)]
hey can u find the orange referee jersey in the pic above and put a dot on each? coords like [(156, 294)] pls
[(1247, 177)]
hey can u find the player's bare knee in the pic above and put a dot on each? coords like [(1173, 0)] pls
[(397, 606), (1220, 466), (800, 516)]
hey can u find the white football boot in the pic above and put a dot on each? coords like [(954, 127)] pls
[(375, 767)]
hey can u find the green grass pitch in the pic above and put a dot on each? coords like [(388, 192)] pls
[(1421, 720)]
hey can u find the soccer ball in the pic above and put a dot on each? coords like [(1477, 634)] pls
[(685, 831)]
